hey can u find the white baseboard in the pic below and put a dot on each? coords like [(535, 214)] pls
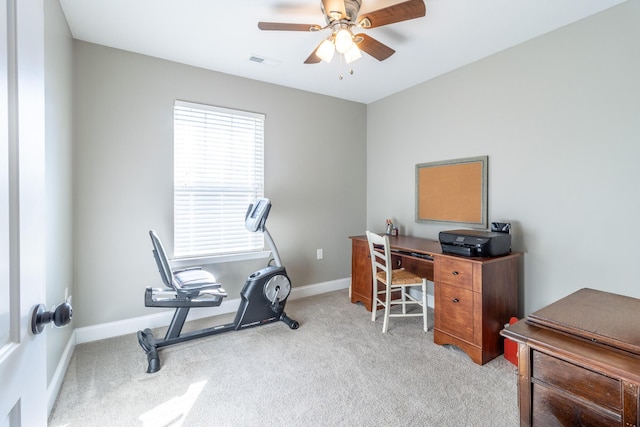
[(156, 320), (416, 293), (58, 376)]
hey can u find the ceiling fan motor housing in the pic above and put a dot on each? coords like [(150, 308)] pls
[(351, 10), (352, 7)]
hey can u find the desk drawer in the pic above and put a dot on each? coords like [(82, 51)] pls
[(592, 386), (455, 272), (454, 313)]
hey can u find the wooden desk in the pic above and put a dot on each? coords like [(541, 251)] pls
[(474, 297), (579, 361)]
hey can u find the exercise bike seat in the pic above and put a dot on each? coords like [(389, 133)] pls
[(194, 278), (197, 284), (188, 287)]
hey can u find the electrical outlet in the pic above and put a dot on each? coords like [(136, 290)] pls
[(319, 253)]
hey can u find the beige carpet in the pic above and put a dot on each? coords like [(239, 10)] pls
[(337, 369)]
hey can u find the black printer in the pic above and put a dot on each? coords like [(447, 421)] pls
[(475, 243)]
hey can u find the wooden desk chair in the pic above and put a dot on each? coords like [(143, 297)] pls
[(393, 281)]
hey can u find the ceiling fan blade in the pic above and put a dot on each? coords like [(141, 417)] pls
[(279, 26), (313, 58), (404, 11), (373, 47), (334, 9)]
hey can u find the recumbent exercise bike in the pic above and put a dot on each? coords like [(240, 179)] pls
[(263, 296)]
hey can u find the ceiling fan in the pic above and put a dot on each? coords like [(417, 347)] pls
[(342, 17)]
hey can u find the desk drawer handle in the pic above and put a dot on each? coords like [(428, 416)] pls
[(455, 300), (455, 273)]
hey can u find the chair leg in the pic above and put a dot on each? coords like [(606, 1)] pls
[(374, 303), (404, 300), (424, 304), (387, 307)]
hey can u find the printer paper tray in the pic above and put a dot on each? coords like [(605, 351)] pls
[(457, 250)]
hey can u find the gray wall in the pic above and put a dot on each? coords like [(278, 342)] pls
[(315, 174), (559, 118), (59, 175)]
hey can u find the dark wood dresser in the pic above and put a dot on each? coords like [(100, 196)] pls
[(579, 361)]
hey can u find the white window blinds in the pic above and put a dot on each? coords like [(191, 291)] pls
[(218, 172)]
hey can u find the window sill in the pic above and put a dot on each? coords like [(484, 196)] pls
[(192, 262)]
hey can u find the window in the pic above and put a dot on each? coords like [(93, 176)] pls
[(218, 172)]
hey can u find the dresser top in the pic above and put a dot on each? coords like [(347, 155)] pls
[(603, 317)]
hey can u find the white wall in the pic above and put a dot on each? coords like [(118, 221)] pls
[(315, 175), (559, 118)]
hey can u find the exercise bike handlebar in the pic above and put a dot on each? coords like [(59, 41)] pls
[(272, 246), (255, 220)]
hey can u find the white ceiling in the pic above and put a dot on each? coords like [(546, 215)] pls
[(223, 35)]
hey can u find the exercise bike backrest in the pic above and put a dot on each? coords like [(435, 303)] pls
[(162, 261)]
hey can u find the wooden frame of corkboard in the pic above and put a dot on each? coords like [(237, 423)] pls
[(453, 191)]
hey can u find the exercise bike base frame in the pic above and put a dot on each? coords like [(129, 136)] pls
[(255, 310)]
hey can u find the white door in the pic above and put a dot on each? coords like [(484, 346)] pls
[(23, 397)]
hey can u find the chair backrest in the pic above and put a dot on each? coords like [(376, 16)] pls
[(162, 261), (380, 260)]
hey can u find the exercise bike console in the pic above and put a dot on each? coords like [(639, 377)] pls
[(257, 215), (263, 296)]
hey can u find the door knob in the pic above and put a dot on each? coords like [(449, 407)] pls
[(60, 315)]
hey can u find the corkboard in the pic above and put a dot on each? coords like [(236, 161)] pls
[(453, 191)]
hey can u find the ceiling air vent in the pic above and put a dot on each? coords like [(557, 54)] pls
[(265, 61)]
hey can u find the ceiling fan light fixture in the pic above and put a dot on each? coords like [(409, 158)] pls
[(326, 50), (343, 40), (352, 54)]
